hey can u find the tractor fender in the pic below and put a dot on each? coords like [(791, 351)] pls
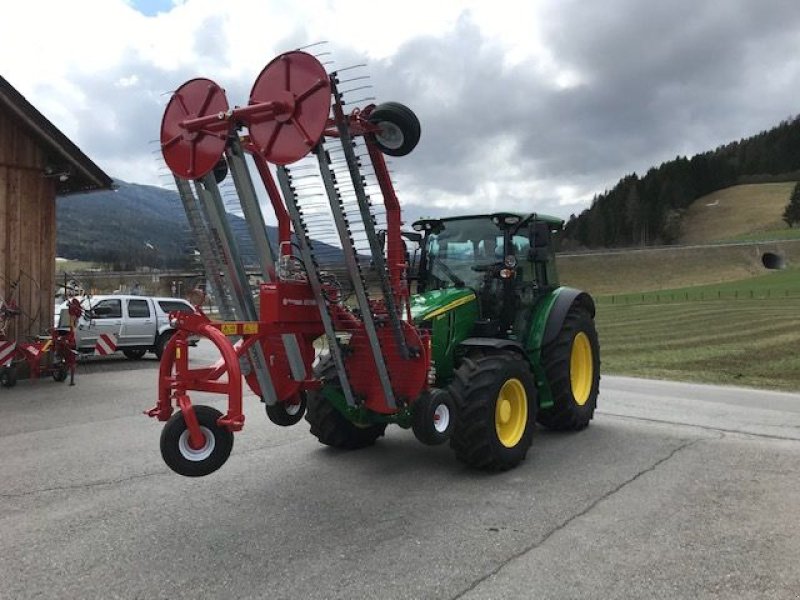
[(494, 343), (565, 299)]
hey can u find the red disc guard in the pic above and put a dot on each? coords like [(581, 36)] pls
[(194, 128), (298, 84), (408, 377)]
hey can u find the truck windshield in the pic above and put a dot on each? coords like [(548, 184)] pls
[(458, 246)]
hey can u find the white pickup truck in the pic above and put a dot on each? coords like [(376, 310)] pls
[(140, 323)]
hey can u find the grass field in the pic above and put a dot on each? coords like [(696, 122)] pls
[(736, 342), (741, 210), (744, 332), (650, 270)]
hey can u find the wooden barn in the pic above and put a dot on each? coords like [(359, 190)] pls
[(37, 163)]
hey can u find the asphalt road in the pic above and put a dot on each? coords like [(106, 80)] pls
[(675, 491)]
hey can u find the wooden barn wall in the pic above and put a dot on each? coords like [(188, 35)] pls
[(27, 230)]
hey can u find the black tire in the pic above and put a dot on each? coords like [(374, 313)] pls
[(330, 426), (286, 413), (482, 438), (181, 458), (574, 393), (134, 353), (161, 343), (60, 372), (400, 128), (433, 419), (8, 376)]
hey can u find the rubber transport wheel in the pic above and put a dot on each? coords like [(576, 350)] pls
[(190, 462), (330, 426), (287, 413), (572, 365), (60, 372), (495, 397), (8, 377), (434, 417), (161, 343), (400, 128), (134, 353)]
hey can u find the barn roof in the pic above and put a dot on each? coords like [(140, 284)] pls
[(71, 169)]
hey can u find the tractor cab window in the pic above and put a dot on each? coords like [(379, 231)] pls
[(457, 247)]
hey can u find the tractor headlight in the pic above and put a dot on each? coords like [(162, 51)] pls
[(510, 261)]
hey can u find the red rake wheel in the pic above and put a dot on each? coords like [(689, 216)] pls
[(297, 83), (194, 129)]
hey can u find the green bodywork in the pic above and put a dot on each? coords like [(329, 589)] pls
[(450, 314)]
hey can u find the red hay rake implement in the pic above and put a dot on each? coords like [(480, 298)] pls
[(53, 354), (355, 296)]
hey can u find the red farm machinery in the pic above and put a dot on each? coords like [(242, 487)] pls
[(332, 331)]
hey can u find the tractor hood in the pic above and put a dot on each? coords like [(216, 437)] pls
[(431, 304)]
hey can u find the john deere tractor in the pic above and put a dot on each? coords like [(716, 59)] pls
[(509, 345)]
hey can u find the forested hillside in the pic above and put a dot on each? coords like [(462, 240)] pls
[(647, 210)]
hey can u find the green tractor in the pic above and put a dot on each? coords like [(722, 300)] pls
[(509, 346)]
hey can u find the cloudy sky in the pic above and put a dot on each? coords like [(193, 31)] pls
[(533, 105)]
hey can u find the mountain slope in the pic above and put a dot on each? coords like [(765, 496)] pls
[(134, 226), (736, 211)]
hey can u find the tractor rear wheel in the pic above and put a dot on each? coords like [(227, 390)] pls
[(330, 426), (495, 398), (572, 365)]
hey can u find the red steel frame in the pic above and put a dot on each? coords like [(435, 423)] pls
[(298, 314)]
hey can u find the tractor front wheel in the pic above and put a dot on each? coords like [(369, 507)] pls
[(572, 365), (495, 398), (182, 457), (434, 417), (329, 425)]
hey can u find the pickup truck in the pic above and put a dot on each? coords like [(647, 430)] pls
[(141, 323)]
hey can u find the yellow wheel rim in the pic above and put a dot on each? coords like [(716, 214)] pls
[(511, 413), (581, 368)]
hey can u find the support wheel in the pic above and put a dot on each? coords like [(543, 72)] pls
[(572, 365), (134, 353), (434, 417), (400, 129), (8, 376), (60, 372), (330, 426), (495, 398), (161, 343), (196, 462), (288, 413)]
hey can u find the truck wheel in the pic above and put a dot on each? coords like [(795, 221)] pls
[(134, 353), (400, 129), (196, 462), (572, 365), (161, 343), (287, 413), (329, 425), (434, 417), (8, 377), (495, 399)]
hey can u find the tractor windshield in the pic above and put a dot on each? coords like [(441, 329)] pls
[(457, 247)]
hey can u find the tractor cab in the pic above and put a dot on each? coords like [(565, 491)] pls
[(506, 259)]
